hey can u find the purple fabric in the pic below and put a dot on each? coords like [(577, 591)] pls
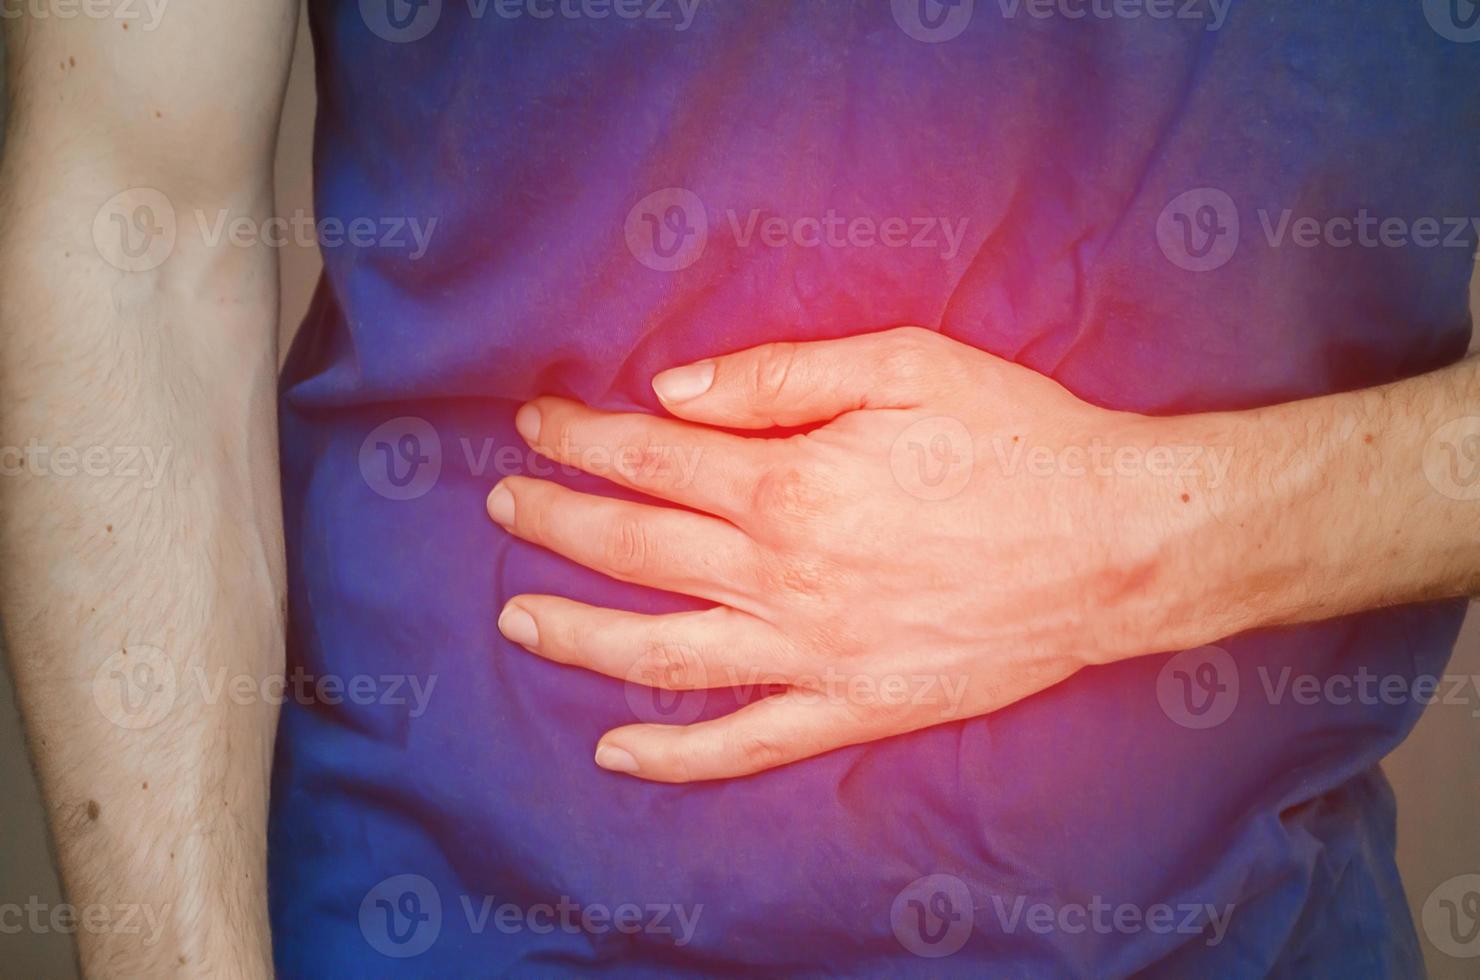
[(1060, 149)]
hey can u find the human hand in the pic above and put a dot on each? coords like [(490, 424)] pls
[(930, 552)]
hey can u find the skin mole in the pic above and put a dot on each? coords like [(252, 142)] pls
[(93, 809)]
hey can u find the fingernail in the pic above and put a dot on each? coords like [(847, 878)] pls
[(681, 384), (527, 423), (518, 626), (501, 506), (615, 759)]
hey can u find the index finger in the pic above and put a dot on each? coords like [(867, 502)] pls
[(689, 464)]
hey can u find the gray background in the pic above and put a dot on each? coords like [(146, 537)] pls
[(1436, 772)]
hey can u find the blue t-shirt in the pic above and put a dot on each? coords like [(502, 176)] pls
[(1168, 207)]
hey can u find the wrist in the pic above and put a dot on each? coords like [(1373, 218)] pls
[(1324, 511), (1184, 525)]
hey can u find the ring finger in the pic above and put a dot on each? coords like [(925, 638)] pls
[(660, 547)]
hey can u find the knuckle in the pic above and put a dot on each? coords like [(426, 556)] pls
[(554, 430), (769, 371), (790, 493), (683, 764), (913, 335), (673, 666), (800, 577), (628, 547), (909, 361), (531, 516), (642, 455), (756, 751)]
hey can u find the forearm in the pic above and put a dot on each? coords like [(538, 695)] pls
[(133, 585), (1338, 504)]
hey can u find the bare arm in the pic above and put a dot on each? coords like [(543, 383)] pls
[(140, 528), (1352, 501)]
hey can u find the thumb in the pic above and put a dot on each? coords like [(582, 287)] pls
[(793, 384)]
